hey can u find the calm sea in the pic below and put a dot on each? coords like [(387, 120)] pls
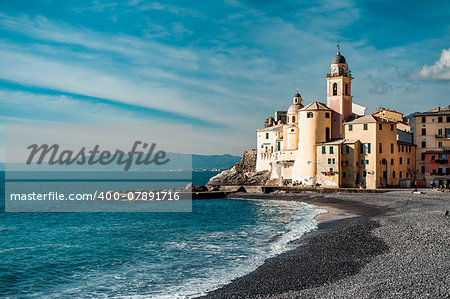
[(167, 255)]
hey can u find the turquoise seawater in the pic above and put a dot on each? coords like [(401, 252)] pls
[(167, 255)]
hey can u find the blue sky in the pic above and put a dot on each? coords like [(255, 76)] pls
[(222, 66)]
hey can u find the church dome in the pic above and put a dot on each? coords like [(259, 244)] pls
[(294, 108), (338, 59)]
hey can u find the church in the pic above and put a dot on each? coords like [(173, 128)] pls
[(336, 144)]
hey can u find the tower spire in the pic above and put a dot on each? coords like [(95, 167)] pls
[(339, 49)]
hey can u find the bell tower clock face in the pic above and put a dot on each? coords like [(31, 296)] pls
[(334, 69)]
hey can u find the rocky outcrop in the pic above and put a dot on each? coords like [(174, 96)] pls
[(242, 173)]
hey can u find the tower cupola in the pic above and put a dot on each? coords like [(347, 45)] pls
[(297, 98)]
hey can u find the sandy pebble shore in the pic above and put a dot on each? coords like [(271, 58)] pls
[(397, 247)]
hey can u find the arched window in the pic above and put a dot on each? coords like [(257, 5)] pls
[(293, 119), (309, 115), (346, 89), (327, 134), (335, 89)]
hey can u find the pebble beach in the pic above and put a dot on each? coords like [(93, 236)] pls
[(370, 245)]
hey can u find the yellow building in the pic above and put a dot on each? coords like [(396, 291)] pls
[(395, 116), (386, 158), (333, 145)]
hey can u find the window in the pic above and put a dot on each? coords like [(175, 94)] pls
[(424, 131), (346, 89), (424, 119), (331, 150), (399, 174), (278, 146), (380, 127), (422, 156), (440, 144), (392, 148), (439, 119), (267, 135), (365, 127), (392, 161), (380, 147), (324, 150), (424, 144), (432, 157), (383, 162), (345, 149), (293, 119), (400, 161), (344, 174), (366, 162), (350, 127), (407, 161), (423, 169), (327, 134), (393, 174), (366, 148), (309, 115), (392, 127), (327, 114), (448, 119), (335, 89), (364, 173)]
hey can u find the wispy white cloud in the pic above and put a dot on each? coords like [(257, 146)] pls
[(440, 70)]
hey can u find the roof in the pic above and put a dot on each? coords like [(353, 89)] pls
[(315, 106), (358, 109), (294, 108), (442, 151), (276, 128), (436, 111), (369, 119), (338, 59)]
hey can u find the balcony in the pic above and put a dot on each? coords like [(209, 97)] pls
[(340, 74), (442, 136), (441, 161)]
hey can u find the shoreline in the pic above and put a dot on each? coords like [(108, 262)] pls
[(355, 235)]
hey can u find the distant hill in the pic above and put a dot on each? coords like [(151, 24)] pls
[(410, 117), (214, 161), (181, 161)]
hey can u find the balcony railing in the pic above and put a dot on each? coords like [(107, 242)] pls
[(442, 136), (441, 161), (349, 74)]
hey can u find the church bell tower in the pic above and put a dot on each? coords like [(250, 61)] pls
[(339, 89)]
